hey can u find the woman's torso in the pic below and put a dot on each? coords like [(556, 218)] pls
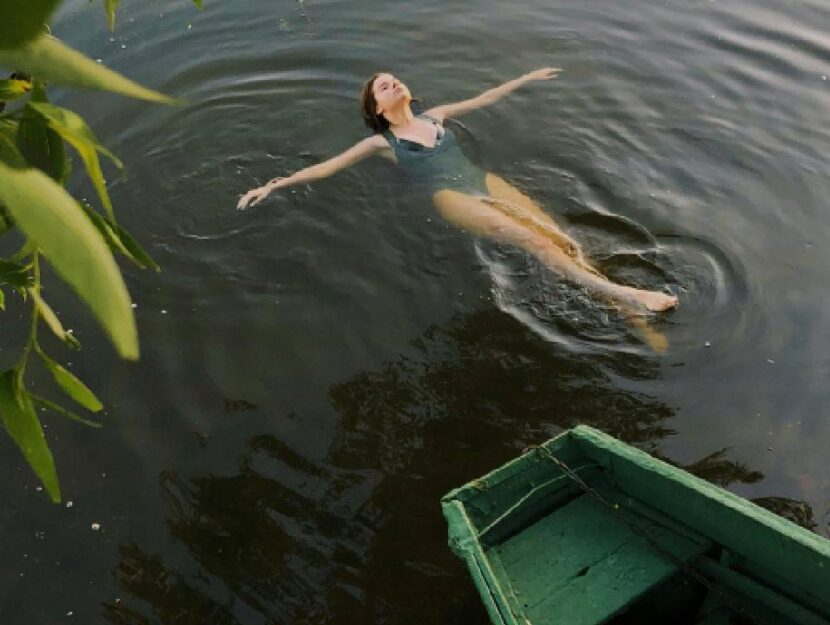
[(441, 166)]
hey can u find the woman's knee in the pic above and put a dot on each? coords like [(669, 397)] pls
[(525, 238)]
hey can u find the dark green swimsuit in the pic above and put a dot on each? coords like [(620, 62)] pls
[(443, 166)]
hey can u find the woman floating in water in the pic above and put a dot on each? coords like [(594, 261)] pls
[(464, 195)]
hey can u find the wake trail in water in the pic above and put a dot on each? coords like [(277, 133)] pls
[(564, 313)]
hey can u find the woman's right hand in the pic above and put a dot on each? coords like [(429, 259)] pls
[(257, 195)]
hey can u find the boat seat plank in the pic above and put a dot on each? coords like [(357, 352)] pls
[(583, 564), (545, 551)]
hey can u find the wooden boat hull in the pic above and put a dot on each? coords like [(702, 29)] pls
[(586, 529)]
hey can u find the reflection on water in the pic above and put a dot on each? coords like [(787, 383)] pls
[(720, 470), (359, 538), (796, 511), (278, 453), (173, 599), (493, 378)]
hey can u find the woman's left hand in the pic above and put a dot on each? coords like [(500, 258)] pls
[(546, 73), (257, 195)]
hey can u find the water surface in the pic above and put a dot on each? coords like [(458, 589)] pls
[(318, 370)]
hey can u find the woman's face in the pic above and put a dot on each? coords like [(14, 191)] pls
[(388, 92)]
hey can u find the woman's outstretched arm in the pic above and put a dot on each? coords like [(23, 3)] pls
[(359, 151), (491, 95)]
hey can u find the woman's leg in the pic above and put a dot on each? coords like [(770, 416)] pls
[(524, 209), (505, 192), (482, 218)]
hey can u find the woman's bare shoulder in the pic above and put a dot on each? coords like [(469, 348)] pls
[(377, 140), (437, 112)]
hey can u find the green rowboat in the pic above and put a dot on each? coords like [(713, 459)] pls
[(585, 529)]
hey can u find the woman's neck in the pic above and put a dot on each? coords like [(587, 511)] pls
[(399, 116)]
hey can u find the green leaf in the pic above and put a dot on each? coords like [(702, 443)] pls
[(120, 240), (104, 227), (198, 4), (136, 252), (73, 129), (15, 274), (11, 89), (52, 218), (9, 153), (22, 20), (18, 415), (52, 61), (40, 145), (71, 385), (48, 315), (110, 6), (6, 221), (61, 410), (2, 300)]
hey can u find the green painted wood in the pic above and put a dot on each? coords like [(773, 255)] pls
[(464, 543), (542, 552), (512, 599), (673, 602), (751, 592), (487, 497), (606, 589), (539, 500), (583, 564), (774, 550)]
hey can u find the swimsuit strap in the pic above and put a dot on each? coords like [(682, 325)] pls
[(395, 142)]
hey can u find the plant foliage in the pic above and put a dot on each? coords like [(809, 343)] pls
[(78, 240)]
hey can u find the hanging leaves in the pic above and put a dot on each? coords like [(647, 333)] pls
[(55, 62), (12, 88), (76, 240), (41, 146), (50, 405), (73, 129), (22, 20), (71, 385), (77, 251), (9, 152), (120, 240), (48, 315), (21, 422), (109, 7), (15, 274)]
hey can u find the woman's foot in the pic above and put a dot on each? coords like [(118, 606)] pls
[(655, 301)]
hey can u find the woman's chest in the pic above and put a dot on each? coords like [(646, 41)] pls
[(421, 134)]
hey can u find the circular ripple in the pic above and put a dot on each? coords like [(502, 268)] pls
[(710, 286)]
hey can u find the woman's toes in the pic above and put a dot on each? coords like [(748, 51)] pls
[(657, 302), (654, 301)]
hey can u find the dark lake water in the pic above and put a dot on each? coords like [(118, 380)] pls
[(318, 370)]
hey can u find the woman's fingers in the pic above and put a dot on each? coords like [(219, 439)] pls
[(243, 201), (254, 194), (545, 73)]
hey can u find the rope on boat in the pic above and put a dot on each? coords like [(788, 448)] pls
[(668, 555)]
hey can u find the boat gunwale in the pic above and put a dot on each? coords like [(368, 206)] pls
[(759, 547)]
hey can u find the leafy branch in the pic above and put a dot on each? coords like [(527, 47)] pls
[(78, 241)]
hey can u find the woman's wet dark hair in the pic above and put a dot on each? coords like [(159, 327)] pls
[(368, 106)]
